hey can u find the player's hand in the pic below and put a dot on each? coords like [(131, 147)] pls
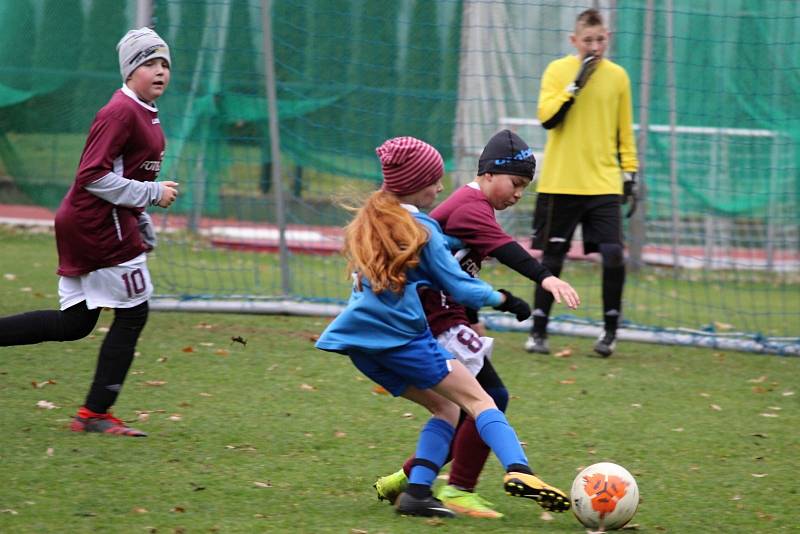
[(562, 291), (588, 66), (514, 305), (169, 192)]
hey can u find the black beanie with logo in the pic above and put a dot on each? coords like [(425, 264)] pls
[(507, 153)]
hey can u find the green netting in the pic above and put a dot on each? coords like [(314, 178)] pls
[(721, 233)]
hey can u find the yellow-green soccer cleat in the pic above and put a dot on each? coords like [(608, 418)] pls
[(391, 486), (466, 503), (532, 487)]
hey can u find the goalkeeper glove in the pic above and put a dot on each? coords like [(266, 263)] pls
[(630, 191), (629, 187), (514, 305), (588, 66)]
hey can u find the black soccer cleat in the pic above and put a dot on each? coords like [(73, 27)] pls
[(537, 344), (428, 507), (606, 343)]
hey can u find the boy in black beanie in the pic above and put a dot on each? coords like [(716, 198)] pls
[(505, 168)]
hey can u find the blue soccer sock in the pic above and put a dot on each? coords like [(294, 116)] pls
[(495, 431), (432, 448)]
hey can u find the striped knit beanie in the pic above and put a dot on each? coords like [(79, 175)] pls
[(409, 165)]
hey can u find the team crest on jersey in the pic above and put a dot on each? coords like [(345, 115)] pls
[(155, 121)]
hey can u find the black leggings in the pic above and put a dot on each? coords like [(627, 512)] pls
[(76, 322)]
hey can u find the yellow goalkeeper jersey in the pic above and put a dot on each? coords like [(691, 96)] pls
[(587, 151)]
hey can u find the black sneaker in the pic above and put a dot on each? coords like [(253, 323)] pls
[(537, 343), (428, 507), (606, 344)]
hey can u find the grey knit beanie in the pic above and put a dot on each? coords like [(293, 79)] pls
[(137, 47)]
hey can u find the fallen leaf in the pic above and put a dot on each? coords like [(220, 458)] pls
[(187, 349), (142, 416), (706, 395), (339, 434), (10, 276), (178, 509), (266, 484), (307, 387), (722, 326), (546, 516), (758, 475), (768, 414), (679, 429), (161, 359), (776, 408), (636, 405), (716, 407), (49, 451), (103, 329), (46, 405), (566, 353), (204, 394), (567, 381), (155, 383), (736, 498), (222, 352), (408, 415), (206, 344), (43, 383), (139, 510), (8, 511), (758, 380), (175, 417), (379, 390), (787, 393)]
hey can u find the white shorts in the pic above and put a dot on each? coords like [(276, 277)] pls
[(124, 286), (467, 346)]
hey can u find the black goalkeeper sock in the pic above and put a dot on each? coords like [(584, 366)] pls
[(613, 282)]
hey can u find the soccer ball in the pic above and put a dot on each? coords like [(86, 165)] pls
[(604, 496)]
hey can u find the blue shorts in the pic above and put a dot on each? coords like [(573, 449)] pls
[(422, 363)]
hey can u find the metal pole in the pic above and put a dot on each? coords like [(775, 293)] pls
[(673, 141), (274, 142), (637, 222), (144, 13)]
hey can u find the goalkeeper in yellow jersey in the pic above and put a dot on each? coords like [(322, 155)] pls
[(589, 169)]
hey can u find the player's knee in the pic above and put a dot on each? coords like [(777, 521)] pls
[(500, 396), (612, 254), (132, 318)]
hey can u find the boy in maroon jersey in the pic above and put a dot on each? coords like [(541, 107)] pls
[(103, 232), (505, 168)]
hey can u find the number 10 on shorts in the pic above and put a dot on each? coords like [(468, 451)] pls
[(134, 282)]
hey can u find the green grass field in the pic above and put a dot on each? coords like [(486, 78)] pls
[(275, 436)]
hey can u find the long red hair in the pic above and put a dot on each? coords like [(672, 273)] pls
[(383, 241)]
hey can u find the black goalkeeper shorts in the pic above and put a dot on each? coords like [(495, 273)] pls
[(557, 216)]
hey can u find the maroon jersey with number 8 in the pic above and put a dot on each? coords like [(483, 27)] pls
[(467, 215)]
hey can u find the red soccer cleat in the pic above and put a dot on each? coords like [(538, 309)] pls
[(89, 421)]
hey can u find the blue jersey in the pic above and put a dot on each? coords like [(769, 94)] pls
[(374, 322)]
